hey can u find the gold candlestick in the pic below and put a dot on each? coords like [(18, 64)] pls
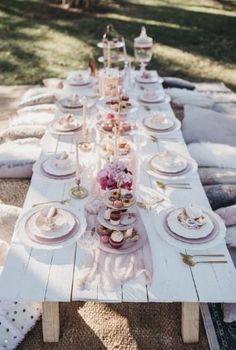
[(78, 192)]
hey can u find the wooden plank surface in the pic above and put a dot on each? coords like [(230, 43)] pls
[(37, 275)]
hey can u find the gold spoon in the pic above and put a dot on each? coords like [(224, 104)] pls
[(188, 256), (63, 202), (179, 186), (192, 263)]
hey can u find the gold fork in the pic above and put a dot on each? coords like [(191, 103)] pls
[(192, 263), (63, 202)]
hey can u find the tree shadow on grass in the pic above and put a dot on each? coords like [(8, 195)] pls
[(209, 35)]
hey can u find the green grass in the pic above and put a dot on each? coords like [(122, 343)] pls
[(193, 39)]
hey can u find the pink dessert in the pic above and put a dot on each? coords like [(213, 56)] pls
[(116, 239)]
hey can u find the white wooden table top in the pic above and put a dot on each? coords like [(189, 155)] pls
[(40, 275)]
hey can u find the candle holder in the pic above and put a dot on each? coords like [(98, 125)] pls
[(85, 146), (78, 192)]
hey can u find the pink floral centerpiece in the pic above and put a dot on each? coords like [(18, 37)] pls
[(115, 175)]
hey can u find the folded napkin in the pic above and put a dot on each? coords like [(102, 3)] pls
[(221, 195), (107, 270), (183, 97), (173, 82), (213, 176), (217, 155), (204, 125), (17, 157)]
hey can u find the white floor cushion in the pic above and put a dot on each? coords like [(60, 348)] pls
[(200, 124), (17, 157), (209, 154), (8, 217), (16, 132), (182, 97)]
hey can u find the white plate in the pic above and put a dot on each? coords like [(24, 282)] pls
[(154, 78), (165, 125), (82, 83), (52, 130), (69, 103), (166, 99), (159, 97), (116, 45), (220, 237), (59, 127), (107, 223), (164, 132), (161, 164), (67, 224), (182, 231), (50, 167), (24, 238), (103, 106), (190, 171)]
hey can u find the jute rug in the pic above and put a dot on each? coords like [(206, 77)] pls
[(95, 326)]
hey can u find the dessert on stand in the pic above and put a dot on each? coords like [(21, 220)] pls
[(118, 219)]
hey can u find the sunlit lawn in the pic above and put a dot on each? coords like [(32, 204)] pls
[(193, 39)]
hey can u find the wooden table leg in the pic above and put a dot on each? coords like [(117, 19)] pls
[(190, 322), (51, 322)]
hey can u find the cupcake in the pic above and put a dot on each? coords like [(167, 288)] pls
[(105, 239), (116, 239), (107, 214), (102, 230), (107, 127), (115, 215), (115, 218), (111, 200), (115, 194), (126, 202), (118, 204), (128, 196)]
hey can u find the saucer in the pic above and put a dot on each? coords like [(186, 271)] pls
[(161, 163), (64, 224), (164, 124), (190, 233), (64, 128), (70, 103), (49, 166)]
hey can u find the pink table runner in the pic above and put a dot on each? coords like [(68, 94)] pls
[(107, 270)]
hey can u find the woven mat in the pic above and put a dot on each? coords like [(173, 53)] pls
[(94, 326)]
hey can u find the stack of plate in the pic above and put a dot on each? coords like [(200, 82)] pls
[(63, 128), (35, 231), (50, 169), (163, 125), (149, 78), (80, 81), (155, 97), (208, 234), (169, 163)]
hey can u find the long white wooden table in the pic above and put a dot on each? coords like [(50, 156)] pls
[(50, 276)]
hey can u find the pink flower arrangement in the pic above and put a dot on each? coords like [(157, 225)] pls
[(115, 175)]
